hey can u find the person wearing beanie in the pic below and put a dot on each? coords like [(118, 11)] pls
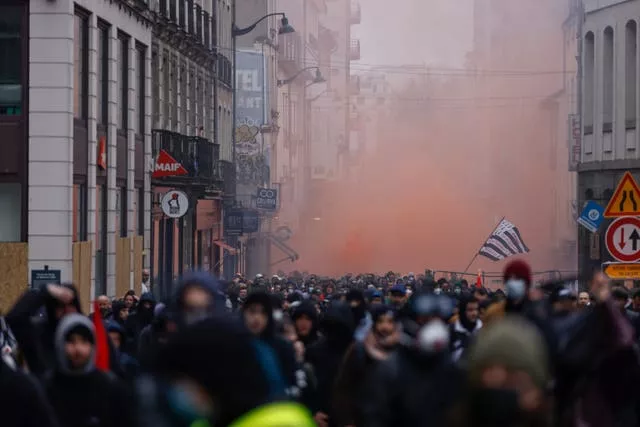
[(82, 395), (508, 378)]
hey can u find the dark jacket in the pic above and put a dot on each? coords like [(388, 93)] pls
[(23, 401), (86, 397), (411, 390), (35, 334)]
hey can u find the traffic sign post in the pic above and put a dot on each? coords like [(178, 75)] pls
[(625, 200), (621, 271), (623, 239)]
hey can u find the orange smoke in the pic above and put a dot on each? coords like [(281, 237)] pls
[(478, 147)]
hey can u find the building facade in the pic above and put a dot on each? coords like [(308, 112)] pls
[(86, 122), (610, 140)]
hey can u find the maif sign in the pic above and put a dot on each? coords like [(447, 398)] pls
[(167, 166)]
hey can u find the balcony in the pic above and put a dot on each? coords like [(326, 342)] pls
[(197, 155), (354, 85), (354, 50), (225, 173), (356, 13)]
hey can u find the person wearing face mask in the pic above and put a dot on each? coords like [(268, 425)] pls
[(197, 298), (419, 382), (362, 358), (508, 378)]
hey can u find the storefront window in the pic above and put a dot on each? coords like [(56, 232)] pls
[(11, 60), (10, 212), (79, 213), (101, 240)]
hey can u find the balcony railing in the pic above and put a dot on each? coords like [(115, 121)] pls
[(354, 85), (354, 51), (226, 174), (196, 154), (356, 13)]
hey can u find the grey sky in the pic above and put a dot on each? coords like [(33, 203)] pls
[(435, 32)]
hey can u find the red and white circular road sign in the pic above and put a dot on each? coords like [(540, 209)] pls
[(623, 239)]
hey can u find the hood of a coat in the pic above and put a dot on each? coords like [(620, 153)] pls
[(68, 324)]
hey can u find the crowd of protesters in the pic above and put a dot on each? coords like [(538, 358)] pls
[(302, 350)]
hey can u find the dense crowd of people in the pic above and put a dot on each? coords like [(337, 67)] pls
[(302, 350)]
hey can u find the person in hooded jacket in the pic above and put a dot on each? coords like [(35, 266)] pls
[(119, 315), (361, 359), (35, 335), (24, 403), (197, 297), (129, 366), (358, 304), (326, 355), (465, 327), (305, 321), (257, 313), (198, 384), (142, 317), (419, 383), (82, 395)]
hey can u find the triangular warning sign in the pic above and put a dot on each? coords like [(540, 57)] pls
[(167, 166), (625, 200)]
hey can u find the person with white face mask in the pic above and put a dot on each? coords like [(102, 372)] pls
[(419, 382)]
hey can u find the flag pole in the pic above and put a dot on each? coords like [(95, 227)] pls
[(483, 242)]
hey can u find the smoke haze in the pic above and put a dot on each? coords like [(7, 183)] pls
[(458, 149)]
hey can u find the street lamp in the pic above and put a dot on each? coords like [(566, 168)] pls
[(236, 32), (285, 28), (319, 78)]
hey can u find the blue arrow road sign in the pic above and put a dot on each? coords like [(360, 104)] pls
[(591, 216)]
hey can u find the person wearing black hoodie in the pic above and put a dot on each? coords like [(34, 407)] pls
[(305, 321), (337, 326), (257, 313), (466, 326), (143, 315), (35, 335), (24, 403), (82, 395)]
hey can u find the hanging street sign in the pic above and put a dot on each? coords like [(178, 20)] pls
[(174, 203), (623, 239), (591, 216), (621, 271), (625, 200), (267, 199)]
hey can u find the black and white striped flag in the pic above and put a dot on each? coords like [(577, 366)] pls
[(505, 241)]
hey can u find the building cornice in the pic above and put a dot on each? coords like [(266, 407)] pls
[(138, 9)]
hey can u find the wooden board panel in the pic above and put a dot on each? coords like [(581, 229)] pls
[(14, 265), (82, 258), (123, 266), (138, 242)]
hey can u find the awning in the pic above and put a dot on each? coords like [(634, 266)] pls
[(292, 255), (223, 245)]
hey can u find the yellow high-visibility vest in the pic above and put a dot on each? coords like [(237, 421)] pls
[(283, 414)]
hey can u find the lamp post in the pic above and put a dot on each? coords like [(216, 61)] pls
[(236, 32)]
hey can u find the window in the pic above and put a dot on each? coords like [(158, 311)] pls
[(123, 81), (183, 96), (101, 240), (589, 82), (206, 30), (607, 87), (103, 74), (141, 53), (122, 198), (80, 65), (11, 60), (80, 212), (10, 212), (198, 13), (190, 16), (182, 14), (140, 211), (630, 74), (155, 89)]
